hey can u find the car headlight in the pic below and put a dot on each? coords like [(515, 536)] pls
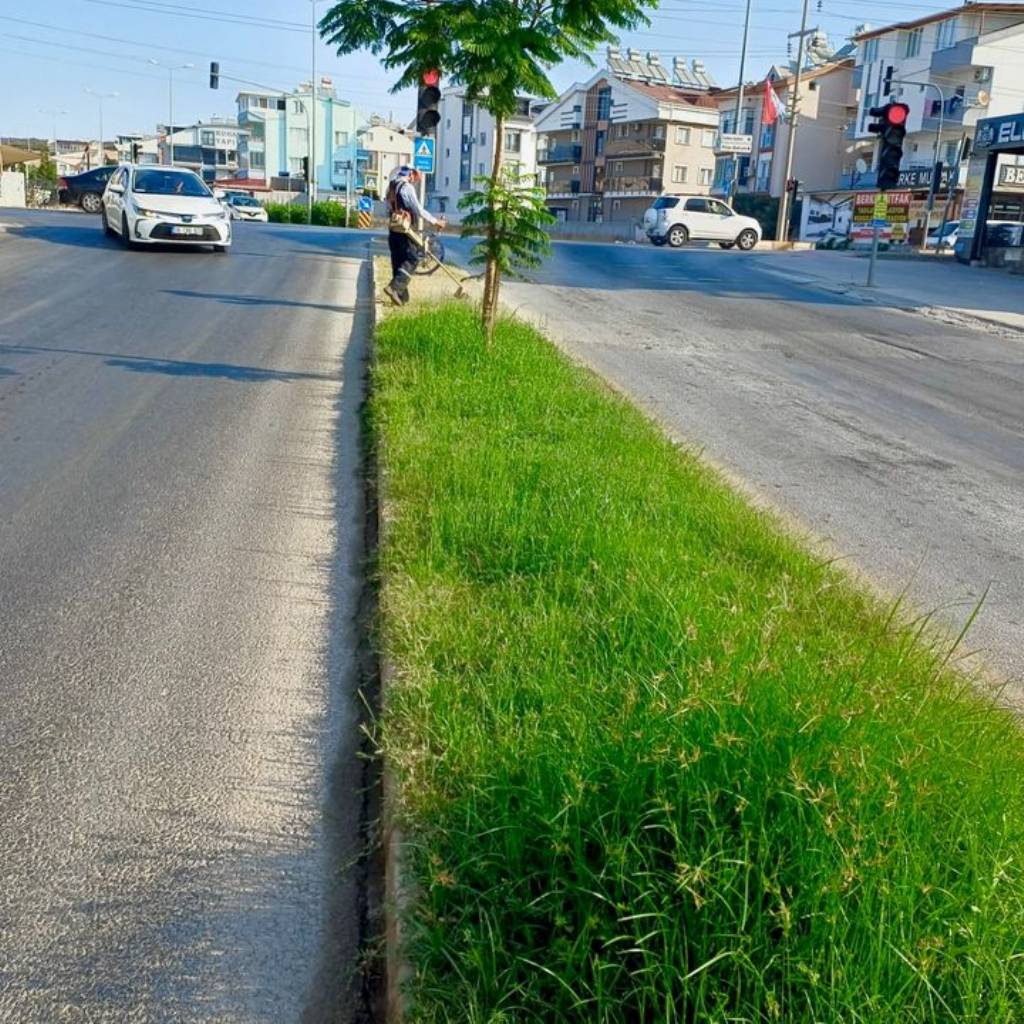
[(142, 212), (219, 216)]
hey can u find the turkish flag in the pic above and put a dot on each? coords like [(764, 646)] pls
[(771, 106)]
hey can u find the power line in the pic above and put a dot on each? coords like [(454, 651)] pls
[(198, 15)]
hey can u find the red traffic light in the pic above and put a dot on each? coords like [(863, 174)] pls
[(431, 77), (896, 113)]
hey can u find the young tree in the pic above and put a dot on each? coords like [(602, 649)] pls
[(498, 49)]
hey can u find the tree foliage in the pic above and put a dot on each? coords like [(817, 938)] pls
[(498, 50)]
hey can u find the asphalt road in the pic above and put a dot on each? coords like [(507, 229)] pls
[(896, 438), (180, 550)]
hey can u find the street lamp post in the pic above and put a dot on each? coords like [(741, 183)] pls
[(731, 196), (170, 68), (54, 114), (100, 97)]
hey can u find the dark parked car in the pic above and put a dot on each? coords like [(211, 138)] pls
[(86, 188)]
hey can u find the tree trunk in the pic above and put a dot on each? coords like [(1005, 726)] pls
[(492, 275)]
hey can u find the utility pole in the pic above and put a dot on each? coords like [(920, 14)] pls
[(782, 227), (170, 102), (100, 97), (739, 107), (311, 184)]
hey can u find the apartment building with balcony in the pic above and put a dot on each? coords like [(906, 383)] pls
[(608, 146), (464, 148), (210, 148), (952, 69), (826, 106), (278, 137)]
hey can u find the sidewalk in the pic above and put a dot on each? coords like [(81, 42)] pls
[(937, 286)]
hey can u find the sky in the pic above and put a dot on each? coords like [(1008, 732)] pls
[(51, 53)]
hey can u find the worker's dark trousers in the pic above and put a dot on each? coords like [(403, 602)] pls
[(404, 258)]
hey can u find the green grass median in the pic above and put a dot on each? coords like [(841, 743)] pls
[(655, 761)]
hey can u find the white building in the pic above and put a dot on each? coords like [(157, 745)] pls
[(952, 69), (465, 148), (210, 148), (72, 156), (383, 147), (278, 142)]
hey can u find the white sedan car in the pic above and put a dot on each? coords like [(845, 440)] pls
[(245, 208), (163, 205)]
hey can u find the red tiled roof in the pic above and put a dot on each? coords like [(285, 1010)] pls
[(672, 93)]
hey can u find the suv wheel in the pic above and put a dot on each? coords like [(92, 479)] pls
[(747, 239), (90, 202), (677, 236)]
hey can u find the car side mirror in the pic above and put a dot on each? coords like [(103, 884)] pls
[(115, 187)]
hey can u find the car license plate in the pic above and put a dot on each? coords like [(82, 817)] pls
[(178, 230)]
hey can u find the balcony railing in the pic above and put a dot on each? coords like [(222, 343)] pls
[(632, 185), (639, 146), (563, 187), (560, 154)]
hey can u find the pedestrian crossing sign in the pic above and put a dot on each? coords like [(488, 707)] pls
[(423, 155)]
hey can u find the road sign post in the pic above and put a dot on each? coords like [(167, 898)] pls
[(423, 154)]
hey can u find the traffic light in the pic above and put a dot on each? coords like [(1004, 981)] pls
[(891, 127), (214, 74), (887, 81), (427, 112), (305, 167)]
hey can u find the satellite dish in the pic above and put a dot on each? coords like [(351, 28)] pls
[(982, 98), (862, 165)]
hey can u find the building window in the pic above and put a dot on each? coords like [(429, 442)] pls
[(599, 143), (618, 166), (912, 45), (513, 142), (767, 136), (256, 159), (659, 131), (679, 174), (604, 103), (448, 122), (616, 203), (207, 139), (340, 139), (575, 172), (947, 33), (446, 182), (297, 107), (575, 136), (707, 138), (706, 175), (483, 138), (871, 50), (447, 151), (480, 168), (682, 136), (748, 122)]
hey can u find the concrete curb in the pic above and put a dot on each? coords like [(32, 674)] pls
[(397, 969), (876, 297)]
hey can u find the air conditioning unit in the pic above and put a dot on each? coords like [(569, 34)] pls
[(982, 75)]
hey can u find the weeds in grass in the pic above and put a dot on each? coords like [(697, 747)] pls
[(657, 762)]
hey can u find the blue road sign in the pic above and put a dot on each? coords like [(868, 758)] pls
[(423, 155), (366, 204)]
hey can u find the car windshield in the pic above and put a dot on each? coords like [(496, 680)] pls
[(950, 228), (666, 202), (169, 183), (243, 201)]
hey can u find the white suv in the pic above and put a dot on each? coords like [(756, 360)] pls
[(680, 219)]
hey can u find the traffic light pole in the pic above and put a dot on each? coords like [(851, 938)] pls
[(874, 256), (782, 227)]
